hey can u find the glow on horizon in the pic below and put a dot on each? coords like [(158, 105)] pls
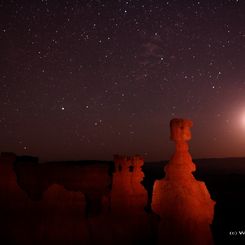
[(243, 120)]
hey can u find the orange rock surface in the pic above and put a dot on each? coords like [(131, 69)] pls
[(127, 192), (183, 203)]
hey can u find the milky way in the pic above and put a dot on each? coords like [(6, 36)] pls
[(88, 79)]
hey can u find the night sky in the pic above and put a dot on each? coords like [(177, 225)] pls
[(88, 79)]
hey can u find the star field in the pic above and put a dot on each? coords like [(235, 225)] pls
[(88, 79)]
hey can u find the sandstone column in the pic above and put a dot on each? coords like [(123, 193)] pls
[(183, 203)]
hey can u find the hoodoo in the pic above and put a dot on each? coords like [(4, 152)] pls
[(183, 203)]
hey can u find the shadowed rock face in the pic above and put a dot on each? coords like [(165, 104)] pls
[(69, 199), (72, 203), (183, 203), (93, 181)]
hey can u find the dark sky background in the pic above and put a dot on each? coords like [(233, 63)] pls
[(88, 79)]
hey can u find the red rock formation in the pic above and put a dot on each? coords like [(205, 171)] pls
[(127, 191), (60, 216), (128, 198), (183, 203)]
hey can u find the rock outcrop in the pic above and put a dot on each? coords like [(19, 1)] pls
[(128, 199), (127, 192), (183, 203)]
